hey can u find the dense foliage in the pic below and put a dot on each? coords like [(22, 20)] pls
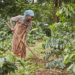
[(62, 36), (58, 35)]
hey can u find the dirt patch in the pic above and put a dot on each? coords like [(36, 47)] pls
[(42, 71), (35, 60), (49, 72)]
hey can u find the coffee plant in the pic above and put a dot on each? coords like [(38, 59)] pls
[(62, 35)]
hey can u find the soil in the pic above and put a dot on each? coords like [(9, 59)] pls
[(49, 72), (46, 71)]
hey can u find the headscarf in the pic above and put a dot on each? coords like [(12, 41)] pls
[(28, 12)]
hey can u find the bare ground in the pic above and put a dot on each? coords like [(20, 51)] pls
[(43, 71)]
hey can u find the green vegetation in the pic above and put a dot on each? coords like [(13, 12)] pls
[(52, 36)]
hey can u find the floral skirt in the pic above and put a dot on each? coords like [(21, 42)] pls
[(18, 46)]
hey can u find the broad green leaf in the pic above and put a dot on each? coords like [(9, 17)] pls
[(74, 68)]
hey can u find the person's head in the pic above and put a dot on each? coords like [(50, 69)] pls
[(28, 15)]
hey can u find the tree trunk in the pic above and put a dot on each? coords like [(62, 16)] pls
[(60, 3), (56, 19), (56, 3), (56, 6)]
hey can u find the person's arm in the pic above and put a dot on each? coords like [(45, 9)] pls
[(28, 27), (14, 19)]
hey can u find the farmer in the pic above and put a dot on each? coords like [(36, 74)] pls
[(22, 27)]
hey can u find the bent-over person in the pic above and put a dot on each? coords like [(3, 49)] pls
[(22, 27)]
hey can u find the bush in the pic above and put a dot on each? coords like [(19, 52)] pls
[(62, 35)]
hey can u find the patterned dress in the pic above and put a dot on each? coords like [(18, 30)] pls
[(20, 31)]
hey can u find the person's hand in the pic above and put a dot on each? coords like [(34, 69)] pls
[(12, 29)]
